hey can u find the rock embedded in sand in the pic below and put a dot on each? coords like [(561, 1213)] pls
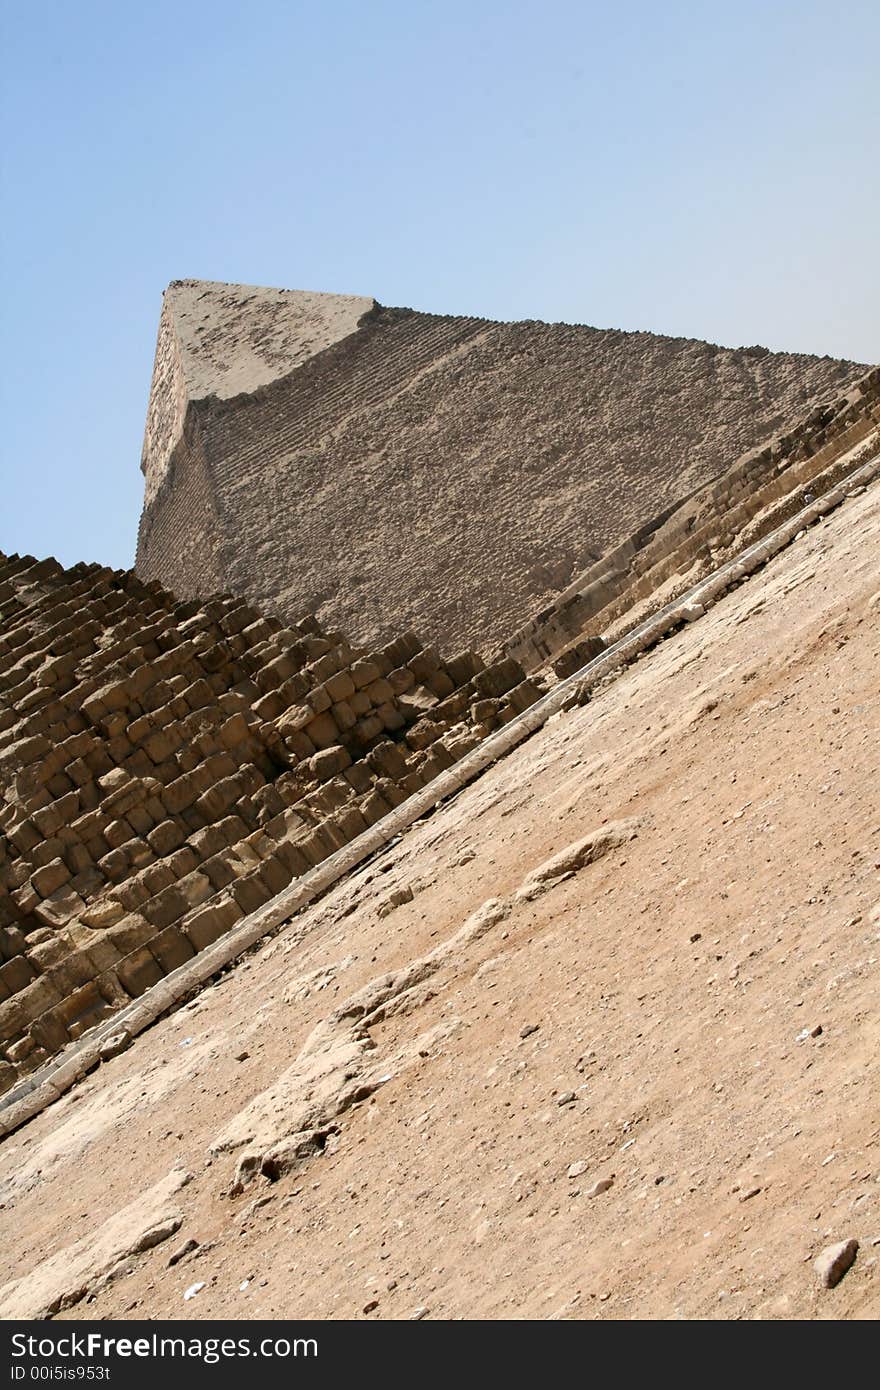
[(834, 1262)]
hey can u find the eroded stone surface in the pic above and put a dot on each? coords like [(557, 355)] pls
[(451, 474), (167, 768)]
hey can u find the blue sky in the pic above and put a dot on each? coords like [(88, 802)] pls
[(704, 169)]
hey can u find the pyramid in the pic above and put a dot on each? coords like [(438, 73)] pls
[(392, 469)]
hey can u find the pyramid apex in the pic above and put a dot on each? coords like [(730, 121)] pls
[(223, 340), (234, 339)]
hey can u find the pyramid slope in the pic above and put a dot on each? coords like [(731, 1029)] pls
[(663, 986), (444, 473)]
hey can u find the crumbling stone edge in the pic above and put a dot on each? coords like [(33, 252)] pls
[(31, 1096)]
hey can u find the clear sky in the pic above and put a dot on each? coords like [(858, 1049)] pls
[(705, 169)]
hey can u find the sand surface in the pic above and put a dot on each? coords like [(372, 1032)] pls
[(646, 1013)]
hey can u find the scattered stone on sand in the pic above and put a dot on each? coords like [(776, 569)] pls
[(834, 1261), (601, 1186), (809, 1033), (116, 1043), (182, 1251), (691, 611)]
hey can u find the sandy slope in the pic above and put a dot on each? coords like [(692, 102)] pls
[(667, 982)]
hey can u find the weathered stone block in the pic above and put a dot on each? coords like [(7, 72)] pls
[(161, 745), (463, 667), (118, 833), (140, 820), (18, 1012), (60, 908), (351, 822), (171, 949), (179, 794), (367, 730), (234, 731), (218, 870), (165, 837), (291, 855), (275, 874), (387, 760), (75, 970), (211, 922), (195, 888), (392, 717), (16, 974), (46, 947), (166, 908), (330, 762), (380, 692), (46, 852), (216, 801), (103, 954), (83, 1009), (423, 664), (138, 971), (323, 730), (12, 942), (49, 1032), (373, 807), (116, 865), (340, 686), (50, 877), (440, 684), (401, 680), (498, 679), (423, 734), (58, 813), (25, 836), (344, 716), (523, 696), (250, 892), (133, 931)]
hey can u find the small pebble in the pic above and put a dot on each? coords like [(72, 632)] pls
[(601, 1186)]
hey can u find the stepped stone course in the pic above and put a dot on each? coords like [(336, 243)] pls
[(386, 468), (756, 492), (167, 767)]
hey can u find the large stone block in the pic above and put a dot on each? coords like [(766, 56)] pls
[(211, 922), (133, 931), (171, 949), (17, 1013), (323, 730), (50, 877)]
